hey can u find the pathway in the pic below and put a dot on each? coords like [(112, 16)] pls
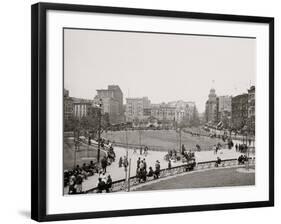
[(118, 173)]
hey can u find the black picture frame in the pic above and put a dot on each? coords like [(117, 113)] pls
[(39, 108)]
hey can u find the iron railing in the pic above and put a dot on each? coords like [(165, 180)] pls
[(121, 185)]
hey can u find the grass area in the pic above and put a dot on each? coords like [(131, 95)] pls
[(81, 155), (167, 139), (210, 178)]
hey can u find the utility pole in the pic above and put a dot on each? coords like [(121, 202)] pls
[(248, 153), (99, 130), (127, 153), (74, 164), (140, 137), (129, 174), (76, 146), (180, 138)]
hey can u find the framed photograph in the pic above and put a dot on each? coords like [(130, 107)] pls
[(141, 111)]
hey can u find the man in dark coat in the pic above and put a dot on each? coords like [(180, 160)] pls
[(104, 163)]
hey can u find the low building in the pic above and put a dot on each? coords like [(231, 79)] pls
[(81, 107), (183, 110), (137, 109), (163, 112)]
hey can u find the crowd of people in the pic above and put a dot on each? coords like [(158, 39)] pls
[(144, 150), (242, 148), (104, 182), (75, 177), (142, 172), (242, 159), (173, 155)]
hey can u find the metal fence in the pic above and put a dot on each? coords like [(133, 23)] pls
[(122, 185), (157, 148)]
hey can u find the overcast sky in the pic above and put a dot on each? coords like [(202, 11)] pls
[(162, 67)]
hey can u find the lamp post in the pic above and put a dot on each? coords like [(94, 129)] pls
[(76, 146), (140, 137), (248, 152), (99, 130), (127, 167), (75, 150), (129, 173), (180, 138), (127, 153)]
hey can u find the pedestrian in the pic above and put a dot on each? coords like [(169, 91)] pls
[(169, 164), (182, 149), (104, 163), (144, 164), (214, 149), (103, 176), (145, 151), (79, 181), (150, 172), (108, 184), (140, 150), (141, 165), (72, 185), (101, 185), (138, 162), (157, 169), (125, 162), (120, 161), (218, 162)]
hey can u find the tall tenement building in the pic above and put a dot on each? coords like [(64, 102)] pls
[(112, 103), (211, 107), (67, 105), (239, 113), (224, 110), (251, 110)]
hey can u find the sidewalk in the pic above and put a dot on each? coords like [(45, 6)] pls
[(118, 173)]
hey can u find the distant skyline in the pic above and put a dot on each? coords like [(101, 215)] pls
[(163, 67)]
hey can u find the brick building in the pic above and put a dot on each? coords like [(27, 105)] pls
[(239, 113)]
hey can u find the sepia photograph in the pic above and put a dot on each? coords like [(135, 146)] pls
[(145, 111)]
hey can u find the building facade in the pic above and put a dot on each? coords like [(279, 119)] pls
[(183, 110), (163, 112), (137, 109), (251, 110), (224, 103), (224, 110), (81, 107), (211, 107), (67, 105), (239, 113), (112, 103)]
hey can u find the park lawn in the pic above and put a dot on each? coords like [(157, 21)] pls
[(210, 178), (82, 156), (166, 139)]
